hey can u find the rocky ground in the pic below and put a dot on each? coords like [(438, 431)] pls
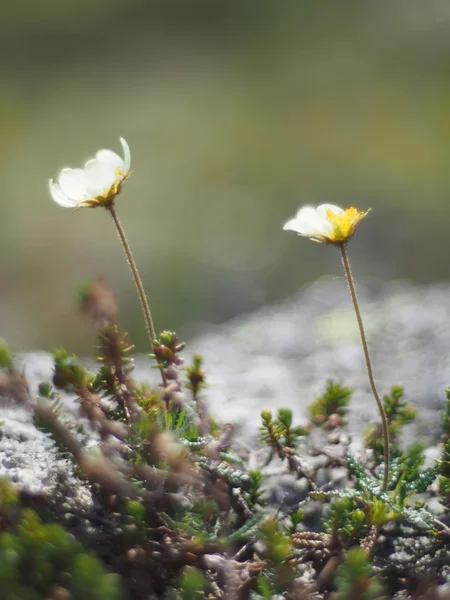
[(281, 356)]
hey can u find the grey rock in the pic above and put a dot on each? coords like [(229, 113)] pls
[(282, 356)]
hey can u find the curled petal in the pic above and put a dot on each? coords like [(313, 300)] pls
[(59, 197), (73, 184), (126, 155)]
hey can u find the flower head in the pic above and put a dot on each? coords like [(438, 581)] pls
[(97, 184), (327, 223)]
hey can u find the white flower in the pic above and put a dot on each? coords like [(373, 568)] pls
[(97, 184), (326, 223)]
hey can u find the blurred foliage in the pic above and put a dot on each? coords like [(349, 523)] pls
[(44, 561), (236, 113), (177, 509), (355, 578), (334, 401), (398, 413)]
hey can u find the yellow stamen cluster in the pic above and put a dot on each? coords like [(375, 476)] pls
[(107, 199), (344, 225)]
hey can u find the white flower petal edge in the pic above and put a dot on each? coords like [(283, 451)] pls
[(73, 184), (97, 183), (109, 159), (309, 221), (59, 197), (126, 155), (113, 160), (324, 208)]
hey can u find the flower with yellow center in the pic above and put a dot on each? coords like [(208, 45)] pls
[(326, 224), (97, 184), (330, 224)]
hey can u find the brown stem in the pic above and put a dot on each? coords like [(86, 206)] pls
[(137, 281), (384, 423)]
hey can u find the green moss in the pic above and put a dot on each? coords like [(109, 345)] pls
[(192, 584), (399, 413), (36, 557), (334, 401), (355, 578)]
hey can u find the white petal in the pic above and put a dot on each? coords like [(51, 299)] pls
[(310, 222), (99, 177), (305, 227), (324, 208), (59, 197), (111, 159), (73, 184), (323, 228), (291, 225), (126, 155), (308, 213)]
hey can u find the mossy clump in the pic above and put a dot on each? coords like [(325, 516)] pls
[(332, 403), (39, 560)]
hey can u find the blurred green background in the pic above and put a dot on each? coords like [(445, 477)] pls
[(236, 113)]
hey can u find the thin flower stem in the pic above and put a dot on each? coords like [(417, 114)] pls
[(384, 423), (137, 281)]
